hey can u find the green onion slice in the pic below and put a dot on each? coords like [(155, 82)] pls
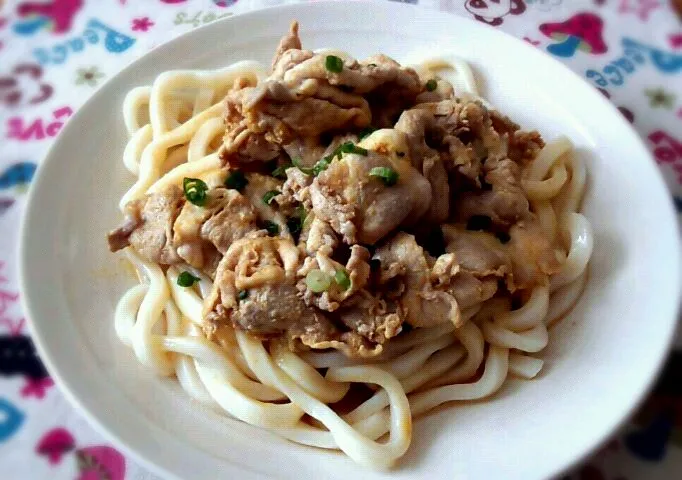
[(386, 174), (195, 191), (431, 85), (236, 180), (267, 198), (242, 294), (297, 163), (321, 165), (342, 279), (281, 171), (333, 63), (318, 281), (350, 147), (186, 279)]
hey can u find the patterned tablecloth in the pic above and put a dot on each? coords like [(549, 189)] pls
[(55, 53)]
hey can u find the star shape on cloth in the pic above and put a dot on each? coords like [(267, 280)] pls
[(89, 76), (142, 24), (660, 98), (640, 7)]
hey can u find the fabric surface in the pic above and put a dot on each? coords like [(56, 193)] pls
[(54, 54)]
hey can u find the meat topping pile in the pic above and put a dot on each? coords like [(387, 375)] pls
[(356, 201)]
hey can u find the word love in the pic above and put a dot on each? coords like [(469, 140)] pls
[(200, 18), (634, 55), (668, 150), (95, 33), (39, 128)]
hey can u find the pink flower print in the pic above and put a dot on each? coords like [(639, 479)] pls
[(54, 444), (642, 8), (14, 328), (100, 462), (142, 24), (675, 40), (36, 387)]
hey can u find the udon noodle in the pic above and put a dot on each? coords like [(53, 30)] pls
[(175, 129)]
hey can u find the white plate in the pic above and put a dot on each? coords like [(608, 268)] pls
[(601, 359)]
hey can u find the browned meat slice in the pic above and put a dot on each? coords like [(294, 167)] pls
[(373, 317), (268, 310), (319, 237), (525, 146), (149, 226), (296, 189), (403, 259), (479, 253), (415, 124), (254, 291), (304, 98), (362, 208), (264, 269), (307, 152), (532, 255), (227, 216), (260, 119), (481, 260), (505, 203), (255, 190), (470, 290), (290, 41), (316, 331), (356, 269), (119, 238), (358, 77)]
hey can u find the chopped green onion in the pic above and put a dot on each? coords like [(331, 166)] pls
[(236, 180), (431, 85), (271, 227), (372, 65), (267, 198), (342, 279), (321, 165), (281, 171), (186, 279), (195, 191), (386, 174), (297, 163), (350, 147), (242, 294), (318, 281), (333, 63), (366, 132)]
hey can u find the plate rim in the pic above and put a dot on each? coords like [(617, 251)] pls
[(66, 386)]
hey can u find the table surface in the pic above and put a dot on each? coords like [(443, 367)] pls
[(47, 71)]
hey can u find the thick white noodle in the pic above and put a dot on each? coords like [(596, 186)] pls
[(524, 366), (531, 314)]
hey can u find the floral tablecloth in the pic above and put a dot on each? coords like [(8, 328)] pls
[(55, 53)]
